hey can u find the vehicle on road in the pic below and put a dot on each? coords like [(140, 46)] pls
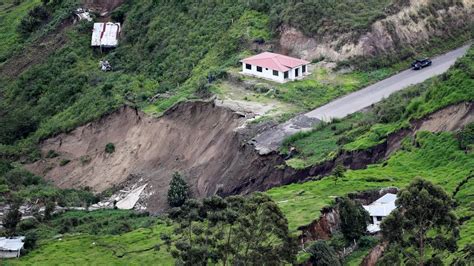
[(421, 63)]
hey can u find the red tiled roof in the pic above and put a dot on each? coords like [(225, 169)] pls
[(274, 61)]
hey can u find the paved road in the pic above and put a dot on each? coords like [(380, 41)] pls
[(271, 139)]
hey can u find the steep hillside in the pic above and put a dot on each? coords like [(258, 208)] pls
[(400, 29)]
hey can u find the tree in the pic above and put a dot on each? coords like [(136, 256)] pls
[(424, 219), (322, 254), (338, 172), (178, 192), (236, 230), (12, 218), (354, 219), (49, 207)]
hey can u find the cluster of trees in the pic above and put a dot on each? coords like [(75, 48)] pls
[(236, 230), (423, 221)]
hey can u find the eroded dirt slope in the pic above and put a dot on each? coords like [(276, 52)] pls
[(417, 23), (196, 139)]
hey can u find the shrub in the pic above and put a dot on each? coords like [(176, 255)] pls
[(178, 192), (109, 148), (323, 255), (85, 159), (354, 219), (466, 136), (63, 162), (52, 154), (33, 20)]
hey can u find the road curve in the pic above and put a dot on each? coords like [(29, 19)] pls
[(271, 139)]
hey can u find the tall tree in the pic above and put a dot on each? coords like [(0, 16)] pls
[(178, 192), (323, 255), (424, 219), (12, 218), (338, 172), (354, 219), (236, 230)]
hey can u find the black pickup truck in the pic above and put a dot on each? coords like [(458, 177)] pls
[(420, 63)]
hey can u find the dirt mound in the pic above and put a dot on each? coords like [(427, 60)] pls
[(196, 139), (103, 7), (414, 24)]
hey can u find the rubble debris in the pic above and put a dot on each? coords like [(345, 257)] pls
[(105, 65)]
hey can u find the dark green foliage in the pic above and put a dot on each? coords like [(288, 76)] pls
[(466, 136), (235, 231), (63, 162), (338, 172), (12, 218), (354, 219), (35, 18), (49, 207), (30, 240), (323, 255), (52, 154), (18, 178), (422, 207), (110, 148), (178, 192)]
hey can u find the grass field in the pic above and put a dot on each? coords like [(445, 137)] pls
[(139, 247), (438, 159)]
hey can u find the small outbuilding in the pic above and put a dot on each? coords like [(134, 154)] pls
[(276, 67), (380, 209), (11, 247), (105, 35)]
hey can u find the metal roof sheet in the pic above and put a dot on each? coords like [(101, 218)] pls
[(382, 206), (105, 34), (11, 244)]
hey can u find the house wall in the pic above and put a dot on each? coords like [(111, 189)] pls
[(266, 73), (9, 254)]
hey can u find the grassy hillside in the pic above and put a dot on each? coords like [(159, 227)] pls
[(365, 130)]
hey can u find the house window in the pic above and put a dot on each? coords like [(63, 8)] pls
[(285, 75), (247, 66), (266, 68), (379, 218), (297, 70), (259, 69), (275, 73), (303, 70)]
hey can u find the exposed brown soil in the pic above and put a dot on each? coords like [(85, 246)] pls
[(410, 27), (103, 7), (195, 138), (199, 140)]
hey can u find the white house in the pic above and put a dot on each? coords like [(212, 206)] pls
[(276, 67), (380, 209), (105, 34), (11, 247)]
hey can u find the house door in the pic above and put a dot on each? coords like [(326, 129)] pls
[(297, 72)]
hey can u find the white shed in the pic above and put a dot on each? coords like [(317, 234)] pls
[(276, 67), (11, 247), (105, 34), (379, 209)]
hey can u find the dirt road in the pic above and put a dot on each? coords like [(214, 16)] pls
[(271, 139)]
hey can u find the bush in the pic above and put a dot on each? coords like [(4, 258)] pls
[(52, 154), (323, 255), (178, 192), (63, 162), (354, 219), (110, 148), (33, 20), (466, 136)]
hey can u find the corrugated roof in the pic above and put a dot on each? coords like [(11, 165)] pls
[(274, 61), (105, 34), (11, 244), (383, 206)]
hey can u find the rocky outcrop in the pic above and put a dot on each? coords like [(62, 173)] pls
[(414, 25)]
